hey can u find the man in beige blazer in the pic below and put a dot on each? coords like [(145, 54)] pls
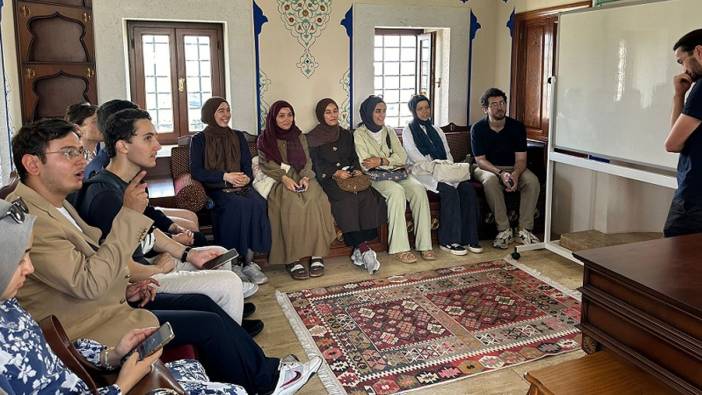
[(76, 278)]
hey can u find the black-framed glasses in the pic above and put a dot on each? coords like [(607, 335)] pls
[(72, 152), (17, 210)]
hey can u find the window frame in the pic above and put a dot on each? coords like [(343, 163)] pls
[(417, 33), (176, 32)]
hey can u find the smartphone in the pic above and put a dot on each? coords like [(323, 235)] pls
[(216, 262), (155, 341), (300, 189)]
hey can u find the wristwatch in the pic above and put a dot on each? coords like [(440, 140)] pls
[(184, 257)]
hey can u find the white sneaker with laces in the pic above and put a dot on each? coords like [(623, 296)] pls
[(238, 270), (528, 238), (357, 258), (370, 261), (248, 288), (254, 272), (293, 375), (503, 239)]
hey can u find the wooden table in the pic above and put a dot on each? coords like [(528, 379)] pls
[(643, 301), (601, 373)]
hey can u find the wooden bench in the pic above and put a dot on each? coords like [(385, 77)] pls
[(600, 373)]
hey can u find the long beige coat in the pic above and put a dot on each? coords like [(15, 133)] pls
[(301, 223), (77, 279)]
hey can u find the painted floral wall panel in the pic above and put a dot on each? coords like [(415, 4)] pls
[(304, 56)]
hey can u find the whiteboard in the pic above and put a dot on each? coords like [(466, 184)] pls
[(615, 79)]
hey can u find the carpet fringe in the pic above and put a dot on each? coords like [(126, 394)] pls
[(535, 273), (325, 374)]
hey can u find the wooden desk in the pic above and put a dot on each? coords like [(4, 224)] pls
[(643, 301), (601, 373)]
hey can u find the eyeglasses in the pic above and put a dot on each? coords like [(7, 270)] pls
[(72, 152), (18, 209), (497, 104)]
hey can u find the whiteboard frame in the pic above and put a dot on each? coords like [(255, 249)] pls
[(553, 157)]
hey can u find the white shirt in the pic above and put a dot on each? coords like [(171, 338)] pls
[(414, 156), (68, 216)]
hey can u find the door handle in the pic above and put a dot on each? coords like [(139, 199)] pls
[(181, 85)]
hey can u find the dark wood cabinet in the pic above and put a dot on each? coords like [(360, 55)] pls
[(642, 301), (56, 56)]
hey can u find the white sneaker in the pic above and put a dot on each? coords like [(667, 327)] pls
[(357, 258), (527, 238), (238, 270), (370, 261), (293, 375), (249, 288), (254, 272), (503, 239)]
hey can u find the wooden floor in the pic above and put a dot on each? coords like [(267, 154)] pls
[(278, 339)]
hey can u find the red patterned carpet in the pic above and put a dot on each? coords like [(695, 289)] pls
[(406, 332)]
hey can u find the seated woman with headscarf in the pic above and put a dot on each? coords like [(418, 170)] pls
[(377, 146), (220, 159), (358, 214), (299, 211), (27, 363), (459, 212)]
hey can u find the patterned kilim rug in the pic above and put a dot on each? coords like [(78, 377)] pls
[(411, 331)]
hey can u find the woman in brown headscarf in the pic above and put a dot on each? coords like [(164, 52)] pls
[(221, 160), (299, 211), (334, 157)]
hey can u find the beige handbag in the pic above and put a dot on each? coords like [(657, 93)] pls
[(446, 171), (261, 183)]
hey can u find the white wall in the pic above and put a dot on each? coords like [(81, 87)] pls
[(110, 18), (366, 17)]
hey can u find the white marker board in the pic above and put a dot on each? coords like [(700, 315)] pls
[(615, 71)]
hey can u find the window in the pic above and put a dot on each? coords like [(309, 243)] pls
[(174, 69), (404, 66)]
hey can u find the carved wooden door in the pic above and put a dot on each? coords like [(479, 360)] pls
[(56, 56)]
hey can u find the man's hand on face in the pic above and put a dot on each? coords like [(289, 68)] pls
[(135, 196), (682, 83)]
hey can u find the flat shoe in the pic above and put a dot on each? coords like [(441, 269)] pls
[(249, 308), (406, 257), (252, 327), (316, 268), (428, 255), (297, 271)]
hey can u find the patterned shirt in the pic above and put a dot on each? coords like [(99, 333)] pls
[(28, 366)]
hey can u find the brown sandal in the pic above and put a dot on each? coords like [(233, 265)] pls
[(428, 255), (297, 271), (316, 267), (406, 257)]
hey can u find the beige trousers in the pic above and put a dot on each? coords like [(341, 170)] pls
[(528, 187), (397, 194)]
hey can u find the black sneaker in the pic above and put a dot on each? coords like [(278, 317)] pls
[(252, 327), (455, 249), (249, 308)]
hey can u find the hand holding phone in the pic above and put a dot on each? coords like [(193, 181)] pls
[(153, 343), (217, 262)]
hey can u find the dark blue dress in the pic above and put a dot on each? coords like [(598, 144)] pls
[(240, 220)]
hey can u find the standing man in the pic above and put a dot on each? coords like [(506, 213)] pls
[(685, 215), (499, 147)]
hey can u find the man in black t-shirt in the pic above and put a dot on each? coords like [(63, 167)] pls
[(685, 137), (499, 146)]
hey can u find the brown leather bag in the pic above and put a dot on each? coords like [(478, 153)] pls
[(96, 377), (354, 184)]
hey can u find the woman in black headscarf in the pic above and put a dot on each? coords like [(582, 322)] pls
[(358, 214), (220, 159), (459, 213)]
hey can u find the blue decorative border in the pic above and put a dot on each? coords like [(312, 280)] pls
[(474, 27), (347, 23), (5, 94), (259, 20)]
